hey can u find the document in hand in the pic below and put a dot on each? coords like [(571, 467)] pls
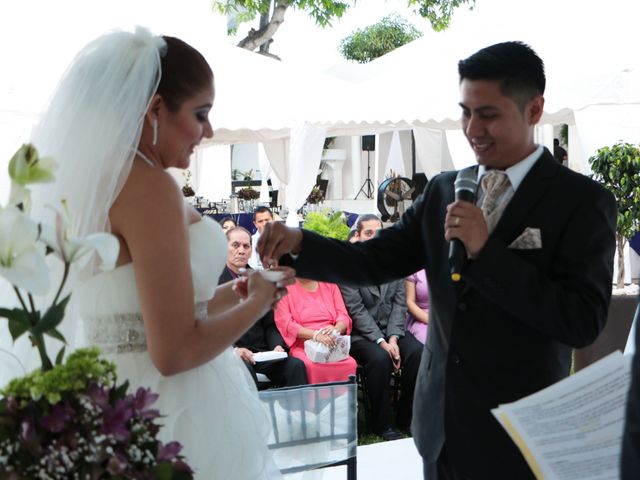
[(573, 429)]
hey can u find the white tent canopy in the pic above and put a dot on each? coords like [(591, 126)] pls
[(414, 87)]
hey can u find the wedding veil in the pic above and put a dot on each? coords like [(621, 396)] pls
[(91, 127)]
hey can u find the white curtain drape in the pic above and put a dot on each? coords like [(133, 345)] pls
[(395, 160), (265, 172), (305, 151), (277, 152), (432, 151), (212, 178)]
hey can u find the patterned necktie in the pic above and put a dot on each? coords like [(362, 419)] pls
[(494, 183)]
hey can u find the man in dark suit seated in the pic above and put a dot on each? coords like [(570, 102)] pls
[(263, 335), (379, 342), (535, 282)]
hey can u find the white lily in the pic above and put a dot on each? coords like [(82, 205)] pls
[(27, 167), (78, 250), (22, 256)]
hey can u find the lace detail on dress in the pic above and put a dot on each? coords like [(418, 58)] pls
[(123, 333)]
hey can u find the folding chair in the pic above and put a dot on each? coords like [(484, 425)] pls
[(314, 426)]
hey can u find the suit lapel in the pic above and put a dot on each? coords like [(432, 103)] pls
[(374, 290), (531, 190)]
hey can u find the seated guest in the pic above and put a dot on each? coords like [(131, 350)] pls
[(263, 335), (313, 310), (380, 344), (417, 319), (227, 223), (261, 216)]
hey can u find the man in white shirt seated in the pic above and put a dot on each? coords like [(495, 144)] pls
[(263, 336), (261, 216)]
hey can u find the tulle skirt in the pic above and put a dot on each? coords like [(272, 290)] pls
[(213, 411)]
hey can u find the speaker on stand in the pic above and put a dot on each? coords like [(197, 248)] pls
[(368, 145)]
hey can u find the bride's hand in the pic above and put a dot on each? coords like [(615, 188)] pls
[(257, 284)]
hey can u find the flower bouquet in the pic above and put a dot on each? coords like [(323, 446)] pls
[(67, 419), (74, 421), (248, 193)]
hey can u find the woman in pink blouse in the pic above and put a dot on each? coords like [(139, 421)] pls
[(417, 320), (313, 310)]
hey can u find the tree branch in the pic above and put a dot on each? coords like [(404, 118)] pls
[(255, 38)]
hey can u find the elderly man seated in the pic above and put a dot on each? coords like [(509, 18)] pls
[(379, 342), (263, 335)]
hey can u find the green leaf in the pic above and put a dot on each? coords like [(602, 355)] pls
[(19, 322), (55, 333), (52, 318), (163, 471), (60, 356)]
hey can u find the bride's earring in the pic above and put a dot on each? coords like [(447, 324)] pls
[(155, 132)]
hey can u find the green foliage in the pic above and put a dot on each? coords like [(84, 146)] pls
[(618, 169), (439, 12), (324, 12), (332, 225), (82, 368), (376, 40)]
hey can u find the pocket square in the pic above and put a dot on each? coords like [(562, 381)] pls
[(528, 240)]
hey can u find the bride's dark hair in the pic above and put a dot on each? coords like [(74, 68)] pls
[(185, 72)]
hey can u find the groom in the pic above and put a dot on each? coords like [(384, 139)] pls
[(536, 282)]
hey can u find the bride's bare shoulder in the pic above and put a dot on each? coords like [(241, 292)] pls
[(148, 191)]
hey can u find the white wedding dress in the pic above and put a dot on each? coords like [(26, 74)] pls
[(212, 410)]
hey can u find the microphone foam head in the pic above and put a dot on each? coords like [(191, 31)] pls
[(467, 179)]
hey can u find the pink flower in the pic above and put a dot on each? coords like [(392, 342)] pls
[(143, 398), (115, 421), (169, 451), (57, 420)]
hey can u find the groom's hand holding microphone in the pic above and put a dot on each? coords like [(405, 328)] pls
[(464, 226)]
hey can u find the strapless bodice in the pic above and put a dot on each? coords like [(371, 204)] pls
[(109, 306)]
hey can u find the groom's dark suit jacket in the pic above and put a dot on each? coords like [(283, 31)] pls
[(508, 328)]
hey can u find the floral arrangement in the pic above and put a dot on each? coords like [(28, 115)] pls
[(187, 189), (248, 193), (74, 422), (67, 419), (316, 196)]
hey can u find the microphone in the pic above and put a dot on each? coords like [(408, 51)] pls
[(465, 187)]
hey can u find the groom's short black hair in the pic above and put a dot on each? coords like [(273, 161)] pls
[(515, 65)]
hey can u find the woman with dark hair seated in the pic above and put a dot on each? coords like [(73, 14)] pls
[(227, 223), (315, 311)]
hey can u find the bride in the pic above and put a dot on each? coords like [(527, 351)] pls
[(130, 106)]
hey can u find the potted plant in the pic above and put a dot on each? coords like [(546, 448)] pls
[(248, 193), (66, 419), (328, 224), (617, 168), (316, 196), (187, 189)]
